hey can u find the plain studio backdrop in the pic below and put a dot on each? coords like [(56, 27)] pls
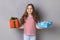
[(46, 10)]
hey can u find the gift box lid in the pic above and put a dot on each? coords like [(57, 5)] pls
[(44, 24), (13, 18)]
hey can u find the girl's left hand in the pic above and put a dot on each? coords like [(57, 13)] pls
[(38, 27)]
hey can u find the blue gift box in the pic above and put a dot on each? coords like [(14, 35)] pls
[(44, 24)]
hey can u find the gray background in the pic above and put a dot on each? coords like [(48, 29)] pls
[(46, 9)]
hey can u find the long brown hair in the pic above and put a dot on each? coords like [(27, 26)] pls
[(25, 15)]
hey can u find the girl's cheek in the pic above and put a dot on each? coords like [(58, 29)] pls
[(27, 10), (32, 10)]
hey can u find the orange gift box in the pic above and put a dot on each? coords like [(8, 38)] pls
[(14, 23)]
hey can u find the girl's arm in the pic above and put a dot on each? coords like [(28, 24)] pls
[(21, 27), (38, 27)]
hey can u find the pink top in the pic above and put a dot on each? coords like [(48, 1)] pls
[(30, 26)]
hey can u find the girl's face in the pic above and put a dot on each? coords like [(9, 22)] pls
[(29, 9)]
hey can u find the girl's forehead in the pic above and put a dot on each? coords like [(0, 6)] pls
[(29, 6)]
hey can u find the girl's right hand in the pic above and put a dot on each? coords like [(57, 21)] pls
[(21, 27)]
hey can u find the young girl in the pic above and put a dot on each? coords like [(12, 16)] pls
[(29, 22)]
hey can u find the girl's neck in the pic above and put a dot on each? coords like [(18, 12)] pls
[(30, 15)]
